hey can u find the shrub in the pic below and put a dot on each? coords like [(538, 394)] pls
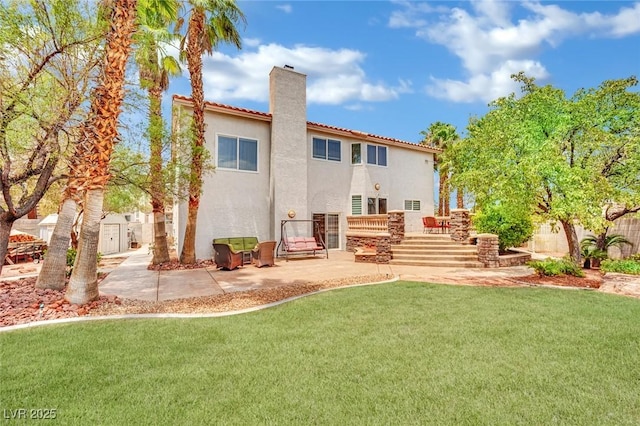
[(71, 259), (512, 225), (552, 267), (625, 266)]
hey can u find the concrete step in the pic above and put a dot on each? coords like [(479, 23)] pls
[(434, 257), (442, 243), (434, 249), (437, 263)]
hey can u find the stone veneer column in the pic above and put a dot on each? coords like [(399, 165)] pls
[(488, 250), (288, 171), (460, 225), (383, 248), (396, 226)]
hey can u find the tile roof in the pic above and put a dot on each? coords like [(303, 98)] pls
[(310, 124)]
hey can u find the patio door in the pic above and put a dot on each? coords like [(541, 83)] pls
[(329, 228)]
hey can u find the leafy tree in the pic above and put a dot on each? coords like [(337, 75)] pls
[(562, 160), (513, 226), (48, 56), (210, 23), (442, 136)]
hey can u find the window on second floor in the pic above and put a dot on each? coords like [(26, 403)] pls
[(377, 154), (356, 153), (326, 149), (237, 153)]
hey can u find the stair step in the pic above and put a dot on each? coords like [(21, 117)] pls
[(437, 263), (468, 253), (435, 249), (434, 257)]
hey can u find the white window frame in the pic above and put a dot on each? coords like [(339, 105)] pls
[(378, 148), (361, 154), (352, 198), (414, 205), (326, 149), (237, 138)]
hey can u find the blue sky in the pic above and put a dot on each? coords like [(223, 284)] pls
[(393, 67)]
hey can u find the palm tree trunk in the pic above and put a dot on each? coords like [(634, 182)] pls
[(194, 64), (83, 284), (459, 198), (102, 135), (447, 194), (53, 272), (160, 248), (441, 183)]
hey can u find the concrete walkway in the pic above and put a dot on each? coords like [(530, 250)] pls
[(132, 280)]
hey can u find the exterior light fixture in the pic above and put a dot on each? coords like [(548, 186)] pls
[(291, 213), (377, 186)]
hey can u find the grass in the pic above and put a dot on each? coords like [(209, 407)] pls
[(403, 353)]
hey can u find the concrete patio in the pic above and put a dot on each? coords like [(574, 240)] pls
[(132, 280)]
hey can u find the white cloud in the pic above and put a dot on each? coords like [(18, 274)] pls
[(410, 14), (251, 42), (490, 44), (486, 86), (286, 8), (333, 76)]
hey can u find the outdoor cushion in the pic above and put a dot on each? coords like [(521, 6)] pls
[(238, 243)]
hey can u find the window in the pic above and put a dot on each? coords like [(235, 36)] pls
[(356, 205), (237, 153), (412, 205), (377, 208), (377, 155), (326, 149), (356, 153)]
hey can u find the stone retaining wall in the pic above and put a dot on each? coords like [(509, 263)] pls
[(488, 250), (371, 248)]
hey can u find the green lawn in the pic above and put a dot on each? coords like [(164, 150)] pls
[(389, 354)]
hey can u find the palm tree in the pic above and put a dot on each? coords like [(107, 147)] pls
[(594, 249), (155, 68), (210, 23), (441, 135), (101, 132)]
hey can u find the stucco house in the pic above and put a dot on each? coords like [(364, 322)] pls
[(271, 166)]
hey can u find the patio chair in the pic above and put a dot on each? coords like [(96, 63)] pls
[(225, 257), (262, 255), (430, 223)]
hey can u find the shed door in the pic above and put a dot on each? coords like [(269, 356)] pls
[(110, 238)]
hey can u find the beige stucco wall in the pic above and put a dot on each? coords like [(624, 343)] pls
[(233, 203), (238, 203), (552, 240)]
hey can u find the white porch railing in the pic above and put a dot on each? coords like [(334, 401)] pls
[(369, 224)]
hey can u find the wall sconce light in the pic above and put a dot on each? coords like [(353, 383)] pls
[(291, 213), (377, 186)]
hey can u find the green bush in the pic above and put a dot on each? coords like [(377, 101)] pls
[(71, 259), (624, 266), (512, 225), (552, 267)]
